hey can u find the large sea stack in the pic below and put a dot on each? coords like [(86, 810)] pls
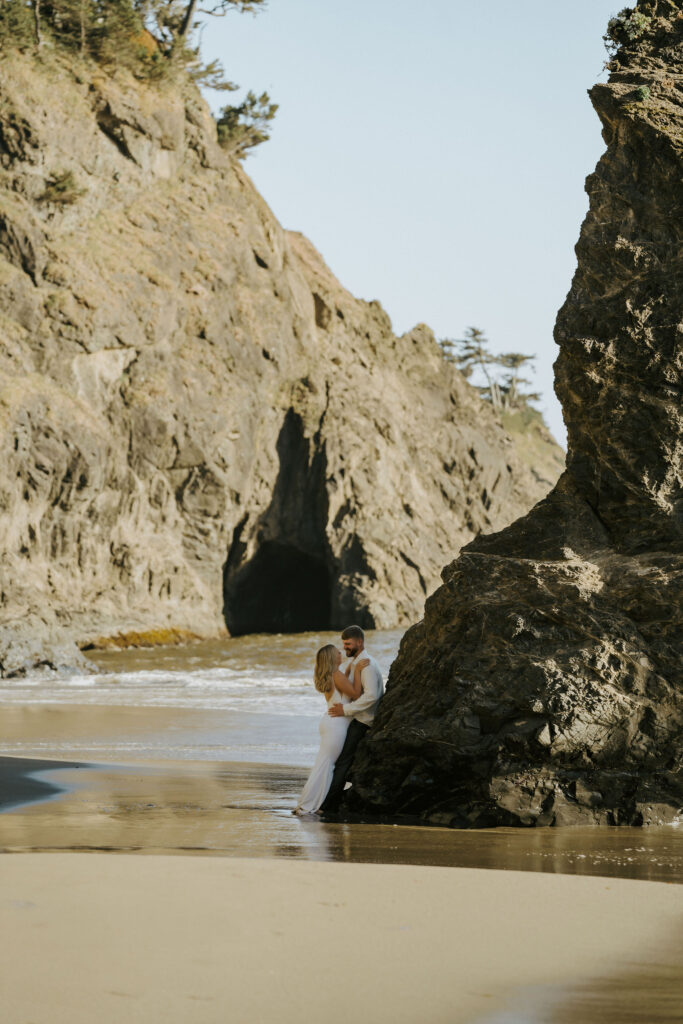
[(201, 428), (545, 683)]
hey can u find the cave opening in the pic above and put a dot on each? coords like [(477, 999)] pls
[(280, 590)]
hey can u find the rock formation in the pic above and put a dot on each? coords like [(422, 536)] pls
[(199, 425), (545, 682)]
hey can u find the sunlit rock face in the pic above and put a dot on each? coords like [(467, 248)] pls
[(545, 682), (200, 426)]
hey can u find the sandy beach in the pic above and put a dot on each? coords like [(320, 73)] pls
[(144, 885), (176, 939)]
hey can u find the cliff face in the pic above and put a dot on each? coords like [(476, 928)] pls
[(545, 683), (199, 425)]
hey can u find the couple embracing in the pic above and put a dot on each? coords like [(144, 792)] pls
[(352, 695)]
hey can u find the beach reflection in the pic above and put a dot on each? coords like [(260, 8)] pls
[(246, 810)]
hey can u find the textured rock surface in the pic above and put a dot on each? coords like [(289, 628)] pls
[(198, 423), (545, 683)]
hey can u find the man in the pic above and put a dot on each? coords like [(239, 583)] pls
[(361, 712)]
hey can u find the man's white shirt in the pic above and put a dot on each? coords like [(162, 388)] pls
[(365, 708)]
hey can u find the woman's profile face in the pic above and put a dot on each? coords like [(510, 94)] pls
[(337, 657)]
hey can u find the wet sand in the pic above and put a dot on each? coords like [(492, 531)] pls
[(274, 918), (18, 782), (245, 810), (132, 794), (120, 733), (251, 928), (146, 939)]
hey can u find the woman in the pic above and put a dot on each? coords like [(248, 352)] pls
[(336, 688)]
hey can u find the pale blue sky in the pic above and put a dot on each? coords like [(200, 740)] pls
[(435, 153)]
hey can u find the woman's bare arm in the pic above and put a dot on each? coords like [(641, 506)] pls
[(344, 685), (352, 689)]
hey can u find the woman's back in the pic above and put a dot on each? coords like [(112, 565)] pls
[(335, 697)]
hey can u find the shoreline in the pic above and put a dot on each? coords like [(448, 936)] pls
[(237, 809), (124, 733)]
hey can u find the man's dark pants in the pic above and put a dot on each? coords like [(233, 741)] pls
[(354, 734)]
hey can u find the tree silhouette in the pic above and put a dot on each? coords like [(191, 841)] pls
[(500, 378), (218, 9)]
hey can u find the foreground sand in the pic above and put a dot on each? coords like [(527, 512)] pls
[(176, 939)]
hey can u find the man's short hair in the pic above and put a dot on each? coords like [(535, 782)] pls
[(353, 633)]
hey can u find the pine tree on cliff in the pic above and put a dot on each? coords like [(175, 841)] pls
[(504, 390), (78, 17), (473, 354), (36, 17), (122, 22), (151, 38), (512, 385), (247, 124), (220, 8)]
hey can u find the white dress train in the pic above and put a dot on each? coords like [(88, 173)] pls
[(332, 736)]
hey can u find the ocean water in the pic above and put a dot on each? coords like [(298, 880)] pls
[(246, 674), (247, 699)]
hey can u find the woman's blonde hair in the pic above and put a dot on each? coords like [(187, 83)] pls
[(325, 664)]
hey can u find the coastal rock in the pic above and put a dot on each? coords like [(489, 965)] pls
[(201, 428), (32, 643), (545, 683)]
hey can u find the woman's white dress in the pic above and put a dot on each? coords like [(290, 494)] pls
[(332, 736)]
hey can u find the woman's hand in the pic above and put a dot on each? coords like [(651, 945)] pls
[(357, 677)]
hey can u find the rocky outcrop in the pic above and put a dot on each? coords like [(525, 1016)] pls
[(199, 425), (545, 682)]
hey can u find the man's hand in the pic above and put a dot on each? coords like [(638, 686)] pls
[(337, 711)]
